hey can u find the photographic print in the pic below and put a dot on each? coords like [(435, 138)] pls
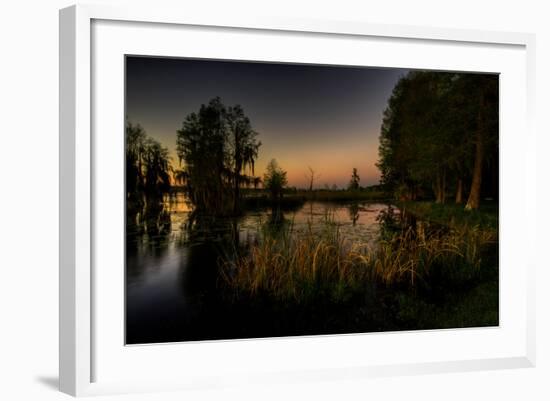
[(273, 199)]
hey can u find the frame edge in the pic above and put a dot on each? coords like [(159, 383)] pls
[(75, 346), (74, 201), (531, 187), (67, 113)]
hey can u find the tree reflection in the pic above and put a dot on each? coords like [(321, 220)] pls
[(149, 224), (353, 210), (389, 221)]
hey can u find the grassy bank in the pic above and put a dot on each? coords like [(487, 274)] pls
[(453, 215), (301, 267)]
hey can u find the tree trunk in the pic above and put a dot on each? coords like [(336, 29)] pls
[(475, 189), (237, 172), (413, 192), (440, 188), (443, 186), (236, 194), (458, 198)]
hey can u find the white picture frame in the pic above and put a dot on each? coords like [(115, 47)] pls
[(78, 367)]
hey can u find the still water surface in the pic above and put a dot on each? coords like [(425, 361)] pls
[(172, 270)]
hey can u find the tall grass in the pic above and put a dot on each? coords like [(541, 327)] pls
[(301, 266)]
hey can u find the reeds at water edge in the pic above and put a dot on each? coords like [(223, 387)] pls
[(291, 266)]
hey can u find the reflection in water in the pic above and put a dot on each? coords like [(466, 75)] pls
[(354, 213), (390, 220), (173, 262)]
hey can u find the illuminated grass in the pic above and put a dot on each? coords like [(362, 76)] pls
[(301, 266)]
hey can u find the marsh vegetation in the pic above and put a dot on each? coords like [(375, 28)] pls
[(217, 249)]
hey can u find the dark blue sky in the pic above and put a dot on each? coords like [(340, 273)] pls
[(326, 117)]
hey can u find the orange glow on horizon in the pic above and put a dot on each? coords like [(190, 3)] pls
[(332, 160)]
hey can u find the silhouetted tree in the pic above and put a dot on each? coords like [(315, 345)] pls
[(157, 169), (275, 180), (312, 176), (147, 165), (256, 182), (216, 146), (202, 147), (354, 182), (243, 150), (135, 149)]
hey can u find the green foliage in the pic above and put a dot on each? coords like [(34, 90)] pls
[(485, 217), (477, 307), (430, 128), (304, 266), (413, 278)]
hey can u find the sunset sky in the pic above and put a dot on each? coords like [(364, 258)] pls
[(325, 117)]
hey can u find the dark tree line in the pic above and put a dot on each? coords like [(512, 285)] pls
[(147, 166), (440, 136), (217, 149)]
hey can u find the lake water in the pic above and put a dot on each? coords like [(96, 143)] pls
[(173, 270)]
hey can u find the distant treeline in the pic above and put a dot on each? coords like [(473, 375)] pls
[(217, 150), (440, 136), (147, 166)]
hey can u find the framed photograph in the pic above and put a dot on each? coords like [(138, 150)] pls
[(273, 200)]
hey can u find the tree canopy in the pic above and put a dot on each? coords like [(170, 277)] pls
[(147, 165), (439, 130), (354, 181), (275, 179), (217, 148)]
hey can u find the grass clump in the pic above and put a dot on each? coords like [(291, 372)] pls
[(297, 266), (300, 267), (486, 217)]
